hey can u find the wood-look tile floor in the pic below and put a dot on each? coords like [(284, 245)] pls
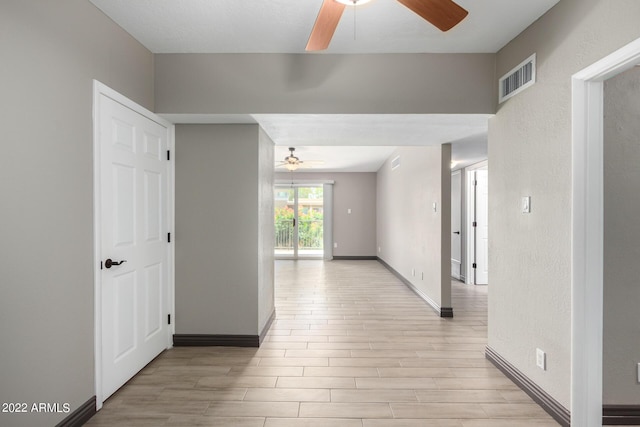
[(351, 346)]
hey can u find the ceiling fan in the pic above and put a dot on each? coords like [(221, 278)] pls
[(444, 14), (291, 162)]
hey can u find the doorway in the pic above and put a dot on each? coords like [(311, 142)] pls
[(477, 224), (587, 237), (133, 200), (299, 222)]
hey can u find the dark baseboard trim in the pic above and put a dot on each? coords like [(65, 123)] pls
[(267, 325), (81, 415), (446, 312), (441, 311), (343, 258), (620, 415), (204, 340), (541, 397)]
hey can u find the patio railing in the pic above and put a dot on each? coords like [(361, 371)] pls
[(309, 234)]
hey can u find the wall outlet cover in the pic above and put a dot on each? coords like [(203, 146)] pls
[(526, 204)]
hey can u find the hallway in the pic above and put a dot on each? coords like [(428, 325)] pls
[(352, 346)]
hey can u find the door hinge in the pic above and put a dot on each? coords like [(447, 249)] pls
[(475, 265), (168, 155), (475, 224), (169, 237), (100, 265), (168, 319)]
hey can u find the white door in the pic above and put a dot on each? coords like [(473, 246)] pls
[(482, 227), (134, 226), (456, 224)]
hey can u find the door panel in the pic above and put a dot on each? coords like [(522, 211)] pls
[(134, 213), (456, 224), (482, 230)]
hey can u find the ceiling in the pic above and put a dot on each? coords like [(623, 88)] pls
[(350, 142), (283, 26)]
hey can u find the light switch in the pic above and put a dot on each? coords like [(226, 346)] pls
[(526, 204), (349, 210), (435, 207)]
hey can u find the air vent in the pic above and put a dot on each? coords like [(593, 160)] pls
[(395, 163), (518, 79)]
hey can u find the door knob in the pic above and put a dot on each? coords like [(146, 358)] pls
[(456, 232), (108, 263)]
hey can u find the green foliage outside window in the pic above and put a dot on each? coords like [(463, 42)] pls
[(309, 228)]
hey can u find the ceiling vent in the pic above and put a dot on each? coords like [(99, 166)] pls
[(395, 163), (518, 79)]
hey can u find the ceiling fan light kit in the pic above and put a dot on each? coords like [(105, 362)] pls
[(443, 14), (292, 163)]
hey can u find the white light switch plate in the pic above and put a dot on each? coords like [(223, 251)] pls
[(526, 204), (541, 359)]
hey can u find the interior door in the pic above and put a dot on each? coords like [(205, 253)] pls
[(482, 228), (134, 225), (456, 224)]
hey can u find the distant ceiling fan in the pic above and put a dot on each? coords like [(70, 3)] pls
[(291, 162), (444, 14)]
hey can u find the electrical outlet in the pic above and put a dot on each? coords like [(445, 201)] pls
[(335, 244), (639, 372), (413, 272), (422, 276), (349, 211), (541, 359), (526, 204), (379, 249)]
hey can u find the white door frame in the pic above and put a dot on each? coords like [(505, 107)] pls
[(470, 275), (587, 232), (100, 89), (461, 226)]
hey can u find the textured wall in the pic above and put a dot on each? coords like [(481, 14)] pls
[(51, 51), (217, 229), (621, 338), (302, 83), (530, 155), (410, 235), (355, 233)]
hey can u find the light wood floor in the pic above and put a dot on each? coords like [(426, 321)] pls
[(351, 347)]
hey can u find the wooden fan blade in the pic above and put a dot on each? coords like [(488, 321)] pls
[(325, 25), (444, 14)]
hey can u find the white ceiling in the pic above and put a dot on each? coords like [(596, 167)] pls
[(283, 26), (360, 142), (344, 142)]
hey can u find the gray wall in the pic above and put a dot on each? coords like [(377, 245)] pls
[(530, 154), (219, 251), (51, 51), (303, 83), (410, 235), (621, 340), (266, 232), (355, 233)]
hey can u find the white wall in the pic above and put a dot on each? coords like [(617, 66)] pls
[(621, 334), (355, 233), (530, 152), (51, 51), (303, 83), (222, 268), (410, 235)]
